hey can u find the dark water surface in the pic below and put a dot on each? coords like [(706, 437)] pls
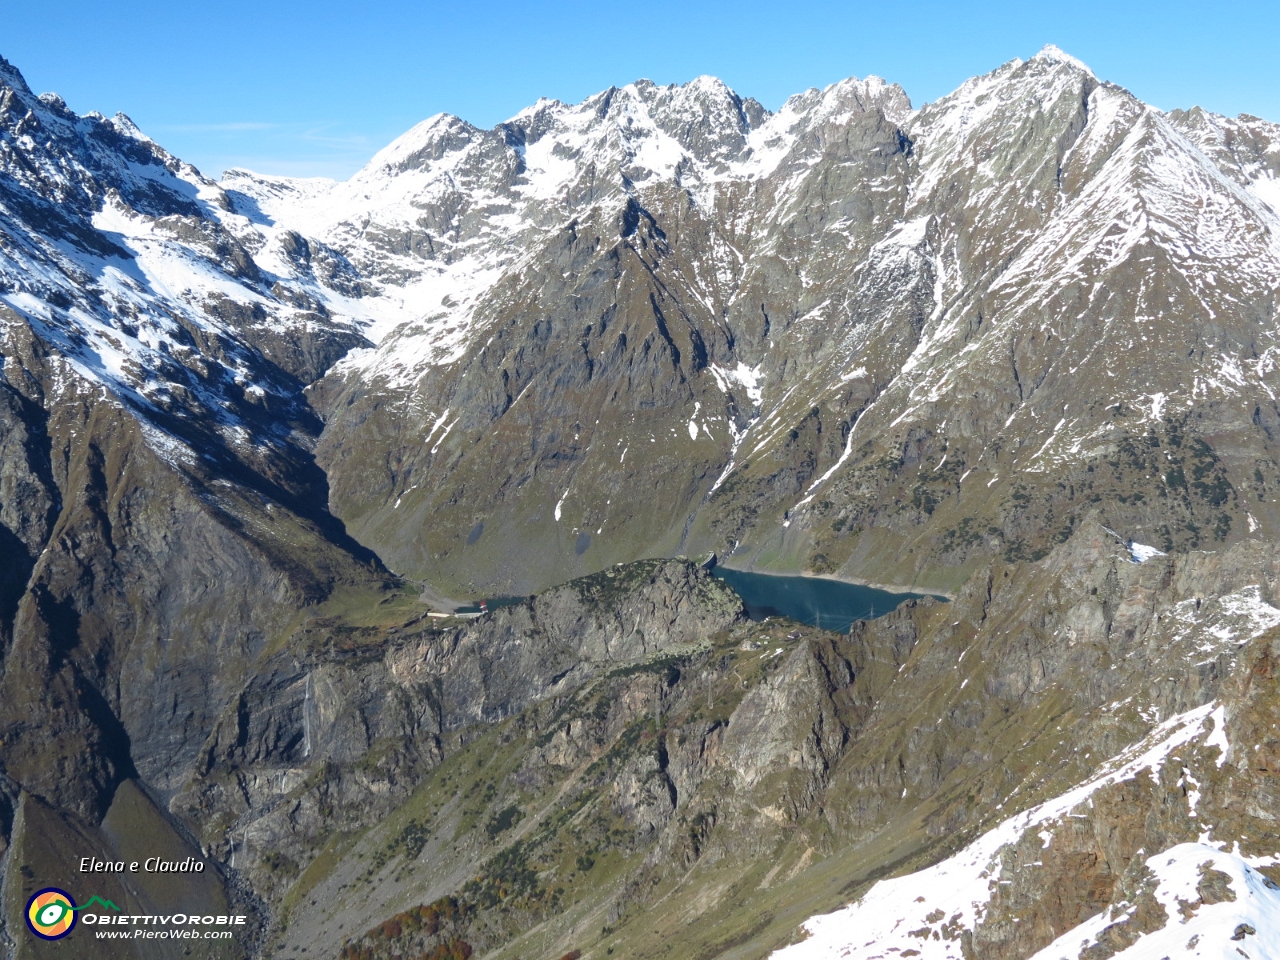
[(828, 604)]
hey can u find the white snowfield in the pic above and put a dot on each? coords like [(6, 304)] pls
[(925, 911)]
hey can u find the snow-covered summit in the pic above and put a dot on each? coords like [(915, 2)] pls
[(1053, 54), (425, 142)]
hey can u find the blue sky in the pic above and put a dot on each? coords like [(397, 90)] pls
[(315, 88)]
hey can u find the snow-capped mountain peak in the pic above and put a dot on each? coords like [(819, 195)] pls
[(1052, 54)]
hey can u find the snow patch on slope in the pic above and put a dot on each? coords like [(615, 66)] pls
[(1248, 925), (1141, 553), (1209, 626), (904, 913)]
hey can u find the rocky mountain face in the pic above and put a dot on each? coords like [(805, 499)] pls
[(1016, 346), (163, 512), (849, 337)]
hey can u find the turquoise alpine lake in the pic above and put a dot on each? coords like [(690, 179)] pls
[(828, 604)]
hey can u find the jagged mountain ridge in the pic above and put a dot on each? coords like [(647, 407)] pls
[(982, 256), (732, 263)]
